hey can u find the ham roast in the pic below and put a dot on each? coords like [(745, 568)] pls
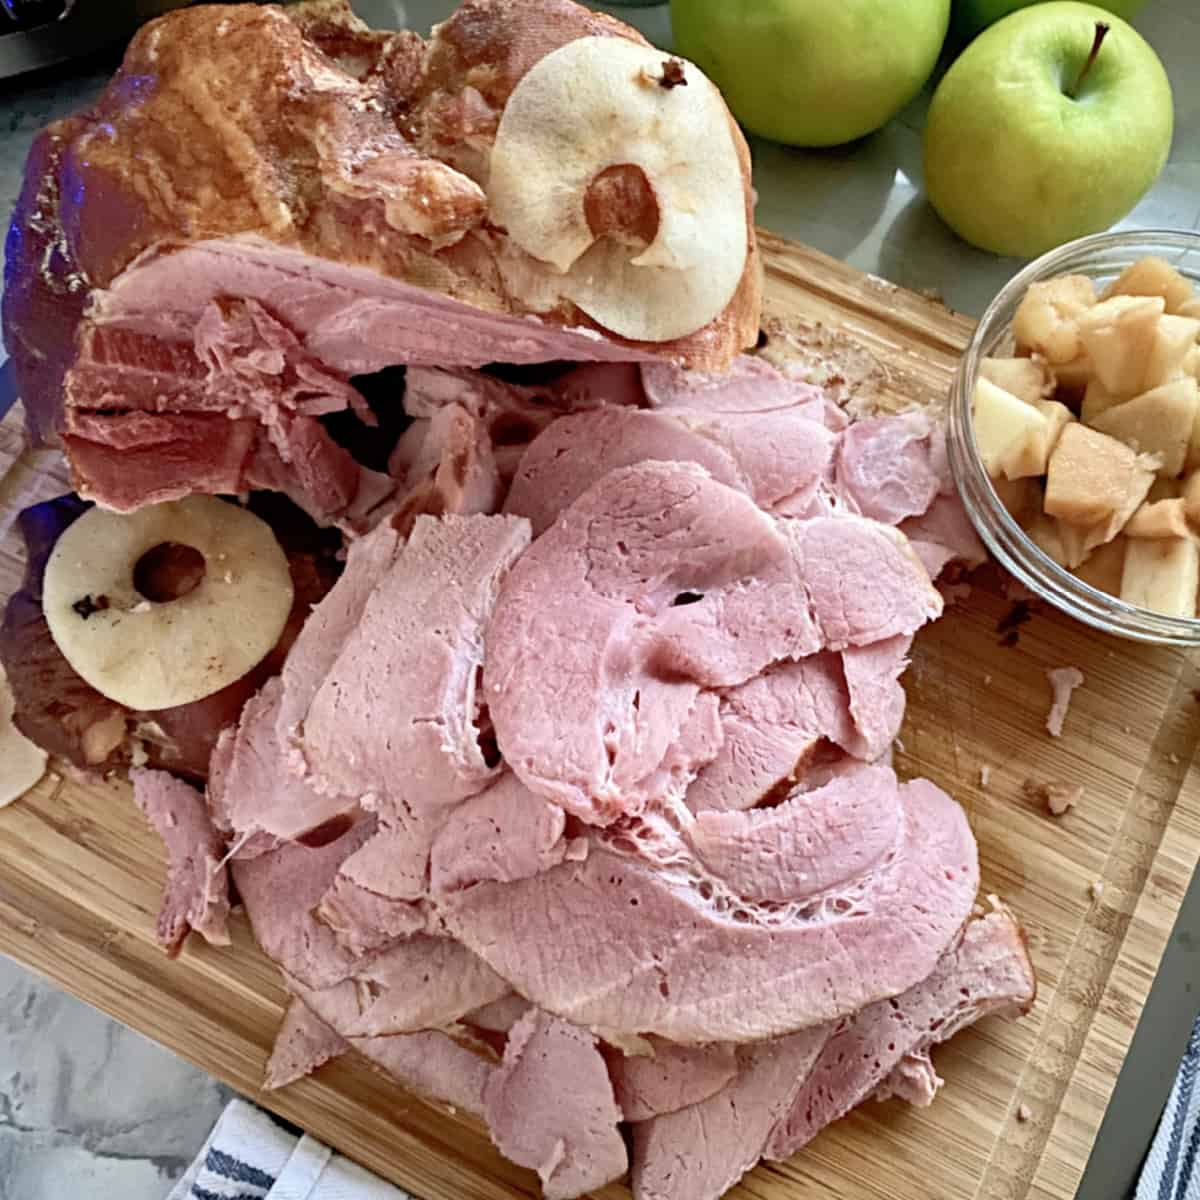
[(566, 797)]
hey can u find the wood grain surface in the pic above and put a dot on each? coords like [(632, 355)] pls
[(80, 873)]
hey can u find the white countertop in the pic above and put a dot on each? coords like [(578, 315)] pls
[(90, 1109)]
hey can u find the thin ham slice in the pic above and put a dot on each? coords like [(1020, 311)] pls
[(569, 1135), (671, 1078), (196, 895), (303, 1044), (663, 949)]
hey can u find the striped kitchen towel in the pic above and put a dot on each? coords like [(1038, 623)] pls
[(250, 1157), (1172, 1168)]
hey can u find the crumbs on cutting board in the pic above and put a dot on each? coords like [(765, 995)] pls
[(1096, 888), (985, 775), (1024, 1113), (1063, 682), (1056, 797)]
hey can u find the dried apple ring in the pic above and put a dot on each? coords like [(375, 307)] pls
[(200, 628), (600, 103)]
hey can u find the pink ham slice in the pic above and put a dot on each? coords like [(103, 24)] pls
[(328, 628), (701, 1151), (419, 643), (877, 697), (673, 1077), (773, 727), (790, 1088), (196, 895), (251, 793), (885, 467), (987, 972), (550, 1106), (503, 834), (420, 983), (303, 1044), (814, 842), (944, 535), (432, 1065), (281, 890), (667, 950), (751, 385), (581, 676), (777, 458)]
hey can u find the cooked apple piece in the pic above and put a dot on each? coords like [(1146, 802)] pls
[(1097, 399), (1151, 276), (1091, 477), (1118, 335), (1005, 428), (1190, 491), (1031, 455), (1022, 498), (1191, 363), (1190, 308), (1160, 519), (1046, 533), (1164, 489), (1046, 320), (1029, 379), (1162, 574), (1173, 341), (1102, 568), (1159, 422)]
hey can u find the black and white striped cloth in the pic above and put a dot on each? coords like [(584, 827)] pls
[(1172, 1168), (249, 1157)]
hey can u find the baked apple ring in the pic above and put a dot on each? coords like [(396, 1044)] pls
[(201, 628)]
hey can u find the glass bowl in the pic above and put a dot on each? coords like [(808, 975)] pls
[(1102, 258)]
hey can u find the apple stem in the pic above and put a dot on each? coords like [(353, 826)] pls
[(1097, 41)]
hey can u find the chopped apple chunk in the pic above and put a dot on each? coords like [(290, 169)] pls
[(1103, 567), (1029, 379), (1092, 476), (1119, 335), (1096, 400), (1022, 498), (1160, 519), (1191, 308), (1190, 491), (1159, 422), (1046, 533), (1174, 340), (1164, 489), (1011, 435), (1046, 321), (1162, 574), (1152, 276)]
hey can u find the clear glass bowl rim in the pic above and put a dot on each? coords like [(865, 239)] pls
[(1008, 543)]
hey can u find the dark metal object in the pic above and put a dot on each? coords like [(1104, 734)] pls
[(43, 33)]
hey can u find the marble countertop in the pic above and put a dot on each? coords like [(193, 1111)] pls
[(89, 1108)]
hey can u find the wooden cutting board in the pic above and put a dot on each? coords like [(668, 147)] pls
[(80, 873)]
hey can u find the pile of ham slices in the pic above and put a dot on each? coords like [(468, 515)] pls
[(572, 806)]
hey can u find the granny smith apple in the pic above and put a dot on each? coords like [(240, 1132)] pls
[(813, 72), (969, 17), (1050, 125)]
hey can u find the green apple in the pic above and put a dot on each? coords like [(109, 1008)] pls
[(813, 72), (969, 17), (1051, 124)]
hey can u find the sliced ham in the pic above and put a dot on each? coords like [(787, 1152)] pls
[(751, 385), (699, 1152), (885, 467), (812, 843), (671, 1078), (196, 895), (422, 982), (303, 1044), (419, 643), (500, 1015), (943, 535), (433, 1065), (595, 650), (788, 1089), (503, 834), (670, 952), (363, 921), (569, 1135), (772, 729), (281, 890), (777, 458), (876, 694), (987, 972)]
